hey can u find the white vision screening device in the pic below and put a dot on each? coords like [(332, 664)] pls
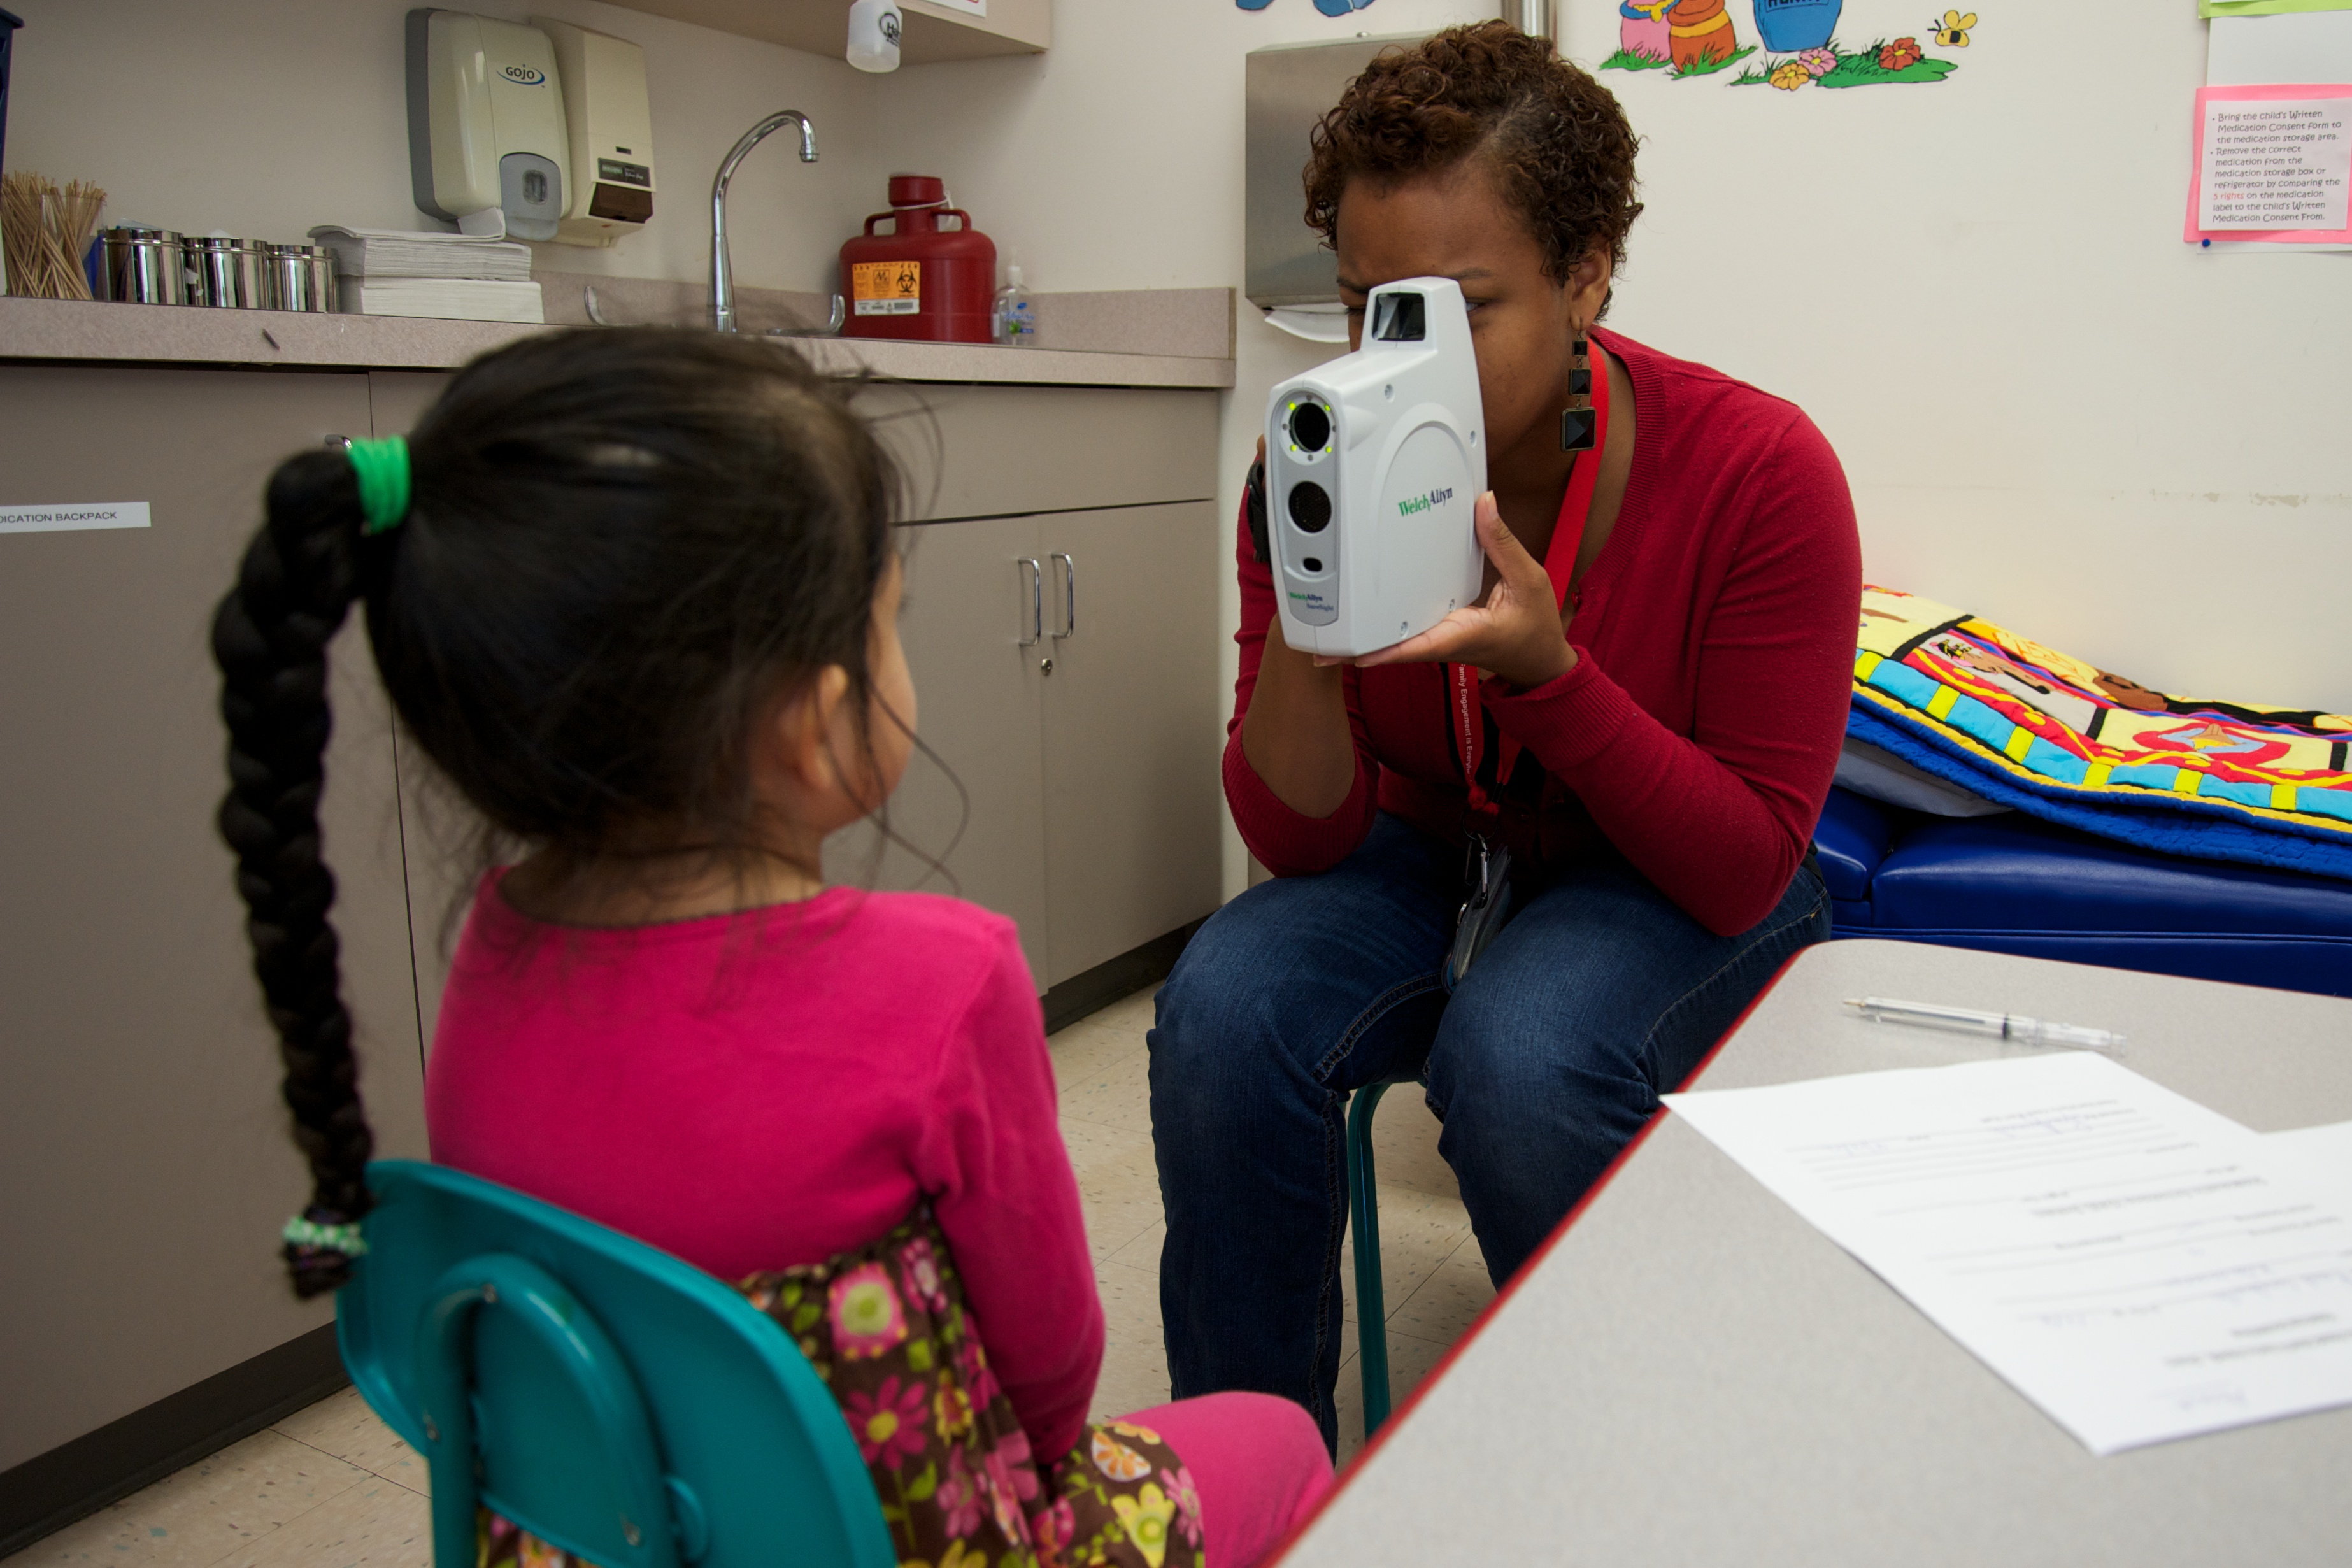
[(1374, 463)]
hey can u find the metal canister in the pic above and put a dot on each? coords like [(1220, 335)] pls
[(229, 273), (302, 277), (141, 266)]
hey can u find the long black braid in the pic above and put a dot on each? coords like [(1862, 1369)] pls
[(297, 581)]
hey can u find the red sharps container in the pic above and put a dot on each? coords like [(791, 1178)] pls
[(919, 280)]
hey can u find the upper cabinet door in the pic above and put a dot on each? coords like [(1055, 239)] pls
[(967, 817), (1133, 796)]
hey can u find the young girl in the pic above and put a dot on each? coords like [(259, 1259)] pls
[(635, 594)]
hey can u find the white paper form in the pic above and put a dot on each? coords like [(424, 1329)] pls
[(2140, 1267)]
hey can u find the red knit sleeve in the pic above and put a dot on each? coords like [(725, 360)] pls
[(1720, 820), (1287, 843)]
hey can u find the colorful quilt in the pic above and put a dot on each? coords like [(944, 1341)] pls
[(2038, 729)]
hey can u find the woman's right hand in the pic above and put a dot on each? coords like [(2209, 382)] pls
[(1295, 734)]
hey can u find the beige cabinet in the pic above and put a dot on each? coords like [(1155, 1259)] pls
[(144, 1163), (1065, 670)]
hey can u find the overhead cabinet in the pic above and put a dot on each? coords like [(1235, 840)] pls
[(932, 31)]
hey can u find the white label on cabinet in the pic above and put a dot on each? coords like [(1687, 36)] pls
[(67, 515), (973, 8)]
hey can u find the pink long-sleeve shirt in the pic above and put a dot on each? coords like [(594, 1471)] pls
[(759, 1090)]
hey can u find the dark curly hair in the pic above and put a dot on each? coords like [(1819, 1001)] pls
[(1562, 151)]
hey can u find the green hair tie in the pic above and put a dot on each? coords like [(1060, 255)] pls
[(382, 471), (344, 1239)]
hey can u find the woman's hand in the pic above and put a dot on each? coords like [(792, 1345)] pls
[(1513, 631)]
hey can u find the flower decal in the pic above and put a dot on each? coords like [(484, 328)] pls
[(952, 1408), (1145, 1518), (1900, 55), (1790, 76), (960, 1496), (1187, 1498), (1013, 1450), (868, 1317), (1003, 1501), (921, 1265), (1954, 33), (888, 1421), (1818, 63), (1051, 1529), (971, 1366), (1117, 1460)]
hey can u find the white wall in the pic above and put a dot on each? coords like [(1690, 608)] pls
[(2052, 411), (264, 118)]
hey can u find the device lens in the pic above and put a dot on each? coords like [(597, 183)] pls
[(1310, 506), (1310, 426), (1400, 318)]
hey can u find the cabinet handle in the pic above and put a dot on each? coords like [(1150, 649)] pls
[(1036, 602), (1069, 596)]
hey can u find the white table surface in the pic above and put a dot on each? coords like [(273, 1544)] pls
[(1693, 1374)]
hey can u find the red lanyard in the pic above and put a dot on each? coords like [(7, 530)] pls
[(1560, 561)]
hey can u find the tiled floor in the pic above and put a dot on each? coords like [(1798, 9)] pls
[(332, 1488)]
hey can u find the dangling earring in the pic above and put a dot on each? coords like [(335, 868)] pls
[(1577, 424)]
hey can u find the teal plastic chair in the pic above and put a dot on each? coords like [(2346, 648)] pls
[(1364, 1215), (602, 1394)]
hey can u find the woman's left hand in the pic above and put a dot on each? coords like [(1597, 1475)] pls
[(1514, 631)]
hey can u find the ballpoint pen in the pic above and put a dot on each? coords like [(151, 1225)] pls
[(1993, 1026)]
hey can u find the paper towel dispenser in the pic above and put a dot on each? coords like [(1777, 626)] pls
[(1289, 88), (610, 132)]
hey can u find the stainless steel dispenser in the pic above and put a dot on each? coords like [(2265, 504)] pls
[(1289, 88)]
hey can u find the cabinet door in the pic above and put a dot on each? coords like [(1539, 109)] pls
[(141, 1131), (1132, 735), (970, 600)]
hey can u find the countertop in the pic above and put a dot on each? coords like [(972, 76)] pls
[(81, 332)]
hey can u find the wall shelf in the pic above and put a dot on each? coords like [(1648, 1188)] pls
[(933, 32)]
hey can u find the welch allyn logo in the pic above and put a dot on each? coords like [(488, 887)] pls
[(1423, 504)]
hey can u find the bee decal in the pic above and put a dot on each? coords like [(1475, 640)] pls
[(1952, 32)]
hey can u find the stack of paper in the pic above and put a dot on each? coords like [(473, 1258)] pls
[(462, 277), (2140, 1267)]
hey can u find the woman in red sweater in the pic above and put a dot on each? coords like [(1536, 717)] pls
[(1650, 700)]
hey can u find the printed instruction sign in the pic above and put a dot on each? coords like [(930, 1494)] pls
[(64, 516), (2272, 163), (2276, 164)]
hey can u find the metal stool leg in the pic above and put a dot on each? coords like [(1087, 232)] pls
[(1364, 1215)]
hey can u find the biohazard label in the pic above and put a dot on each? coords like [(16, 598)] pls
[(886, 288)]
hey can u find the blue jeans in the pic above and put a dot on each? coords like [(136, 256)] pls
[(1600, 993)]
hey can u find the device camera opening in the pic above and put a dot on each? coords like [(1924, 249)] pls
[(1310, 506), (1310, 426), (1400, 318)]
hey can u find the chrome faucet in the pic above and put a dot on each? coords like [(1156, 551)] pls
[(722, 280)]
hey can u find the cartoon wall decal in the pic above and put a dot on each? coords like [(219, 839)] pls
[(1643, 32), (1798, 39), (1329, 8), (1793, 27)]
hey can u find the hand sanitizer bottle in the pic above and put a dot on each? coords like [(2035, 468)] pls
[(1015, 317)]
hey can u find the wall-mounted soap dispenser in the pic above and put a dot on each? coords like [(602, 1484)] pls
[(611, 126), (487, 145)]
